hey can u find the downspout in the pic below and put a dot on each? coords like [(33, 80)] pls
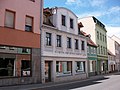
[(41, 60)]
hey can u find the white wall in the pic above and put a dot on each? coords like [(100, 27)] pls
[(57, 20), (62, 51)]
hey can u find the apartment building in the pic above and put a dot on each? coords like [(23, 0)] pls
[(19, 41), (64, 53), (91, 55), (111, 62), (98, 32), (114, 47)]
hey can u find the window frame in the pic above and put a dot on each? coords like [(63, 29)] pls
[(69, 42), (7, 10), (71, 23), (82, 45), (76, 44), (63, 20), (48, 43), (32, 27), (68, 69), (58, 41)]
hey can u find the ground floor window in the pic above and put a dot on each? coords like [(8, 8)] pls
[(7, 67), (63, 68), (25, 67), (80, 66), (16, 63), (92, 65)]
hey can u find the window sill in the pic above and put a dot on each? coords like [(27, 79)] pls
[(64, 75), (77, 73)]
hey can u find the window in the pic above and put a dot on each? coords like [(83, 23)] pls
[(100, 36), (9, 19), (25, 68), (101, 50), (48, 39), (103, 38), (80, 66), (71, 23), (76, 43), (88, 49), (94, 50), (97, 35), (24, 50), (68, 42), (6, 67), (63, 68), (63, 20), (29, 24), (32, 0), (83, 45), (58, 41)]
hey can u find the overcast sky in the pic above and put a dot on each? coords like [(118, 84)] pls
[(106, 11)]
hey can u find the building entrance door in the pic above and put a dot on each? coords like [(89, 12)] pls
[(47, 71)]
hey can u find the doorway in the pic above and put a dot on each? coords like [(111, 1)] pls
[(47, 71)]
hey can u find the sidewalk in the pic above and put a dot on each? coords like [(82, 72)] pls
[(34, 86)]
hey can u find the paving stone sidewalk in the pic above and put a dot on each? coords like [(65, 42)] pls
[(34, 86)]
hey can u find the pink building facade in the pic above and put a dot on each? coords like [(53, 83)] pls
[(20, 41)]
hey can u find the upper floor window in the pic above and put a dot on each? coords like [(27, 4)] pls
[(63, 20), (58, 40), (103, 38), (68, 42), (28, 24), (97, 35), (100, 36), (76, 43), (71, 23), (83, 45), (48, 39), (9, 19), (32, 0), (101, 50)]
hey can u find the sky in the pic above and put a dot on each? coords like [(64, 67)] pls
[(106, 11)]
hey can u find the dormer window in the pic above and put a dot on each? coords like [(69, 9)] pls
[(63, 20), (71, 23)]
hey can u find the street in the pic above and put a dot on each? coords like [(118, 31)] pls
[(111, 82)]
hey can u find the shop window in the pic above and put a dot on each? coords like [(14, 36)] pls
[(28, 24), (24, 50), (80, 66), (25, 68), (9, 19), (63, 68), (6, 67)]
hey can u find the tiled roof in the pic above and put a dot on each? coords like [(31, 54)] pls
[(89, 41), (110, 53)]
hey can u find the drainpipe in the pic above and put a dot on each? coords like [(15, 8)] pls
[(41, 60)]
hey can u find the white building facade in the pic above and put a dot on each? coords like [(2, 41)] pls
[(114, 47), (64, 53)]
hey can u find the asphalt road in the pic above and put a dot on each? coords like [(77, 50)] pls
[(111, 82)]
